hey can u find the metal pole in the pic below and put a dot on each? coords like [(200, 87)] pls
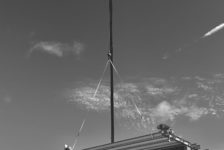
[(110, 57)]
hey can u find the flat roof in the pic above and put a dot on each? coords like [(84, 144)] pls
[(147, 142)]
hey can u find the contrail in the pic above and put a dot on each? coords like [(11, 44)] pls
[(214, 30), (209, 33)]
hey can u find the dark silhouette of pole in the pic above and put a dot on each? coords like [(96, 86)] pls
[(110, 57)]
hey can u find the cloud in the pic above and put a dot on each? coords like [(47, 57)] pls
[(194, 112), (165, 56), (169, 112), (150, 101), (165, 111), (159, 91), (123, 96), (57, 48)]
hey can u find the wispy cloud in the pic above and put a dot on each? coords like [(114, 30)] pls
[(158, 100), (165, 56), (57, 48)]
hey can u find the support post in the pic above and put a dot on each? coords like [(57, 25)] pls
[(110, 57)]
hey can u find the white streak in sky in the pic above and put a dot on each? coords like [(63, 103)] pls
[(214, 30), (57, 48), (209, 33)]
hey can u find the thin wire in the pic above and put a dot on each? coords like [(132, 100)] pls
[(105, 68), (76, 137), (80, 130), (116, 71), (74, 144), (121, 80), (136, 107)]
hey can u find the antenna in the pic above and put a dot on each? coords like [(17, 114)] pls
[(110, 58)]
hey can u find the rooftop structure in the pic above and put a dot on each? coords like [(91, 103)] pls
[(165, 139)]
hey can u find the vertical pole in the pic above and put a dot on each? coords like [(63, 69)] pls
[(110, 57)]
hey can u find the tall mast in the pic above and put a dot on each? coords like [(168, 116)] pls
[(110, 57)]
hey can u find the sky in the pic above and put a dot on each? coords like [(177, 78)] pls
[(168, 68)]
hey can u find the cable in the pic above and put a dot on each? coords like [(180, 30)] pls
[(136, 107), (116, 71), (76, 137), (97, 88)]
